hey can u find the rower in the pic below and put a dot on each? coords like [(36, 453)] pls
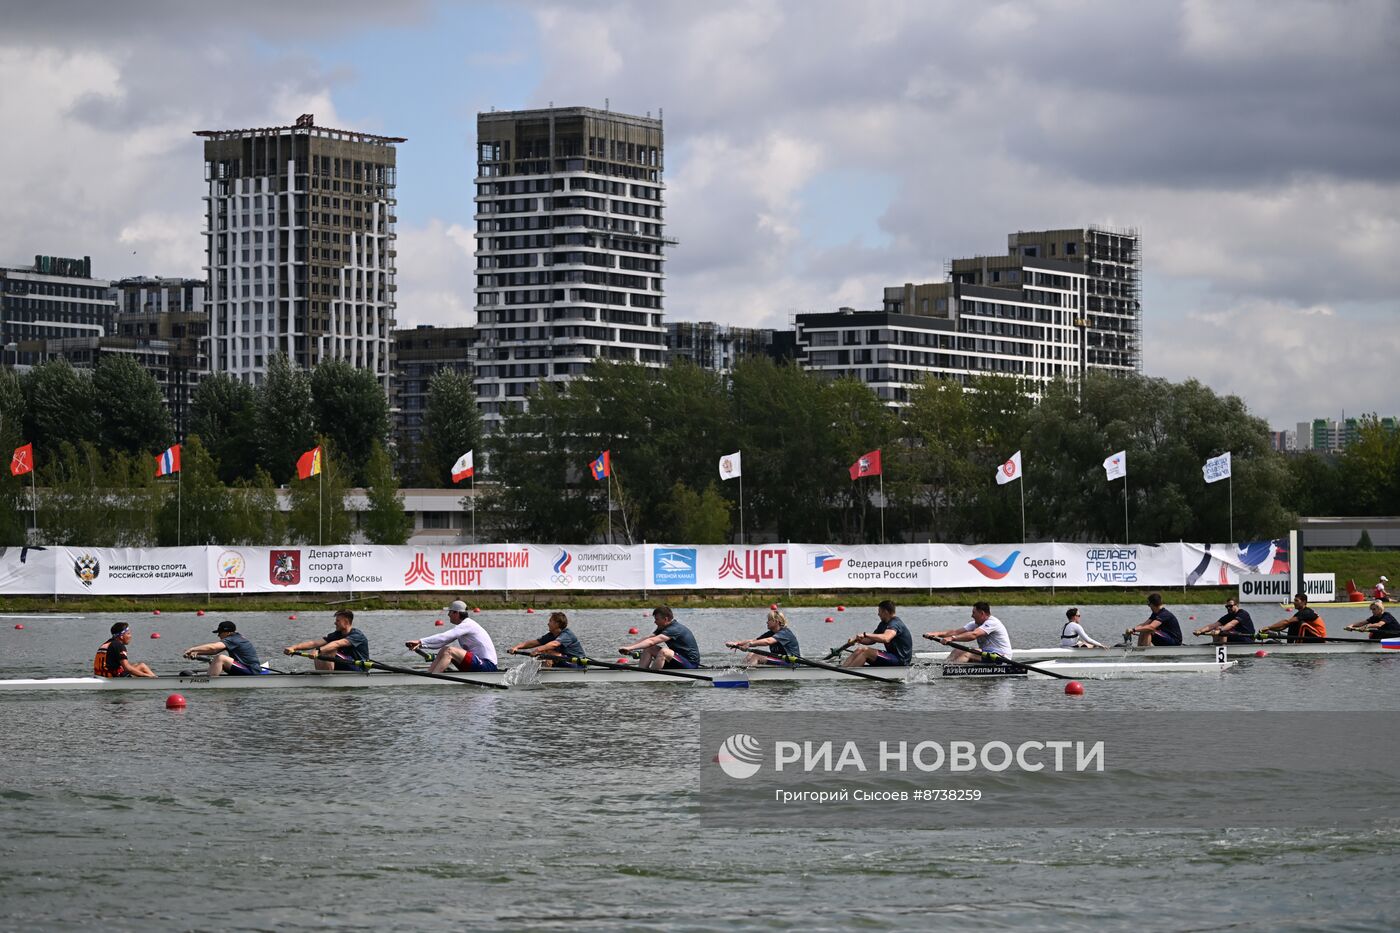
[(1380, 623), (231, 654), (466, 645), (890, 645), (1303, 625), (111, 659), (557, 641), (991, 636), (671, 645), (1235, 626), (778, 639), (340, 649), (1073, 634), (1161, 628)]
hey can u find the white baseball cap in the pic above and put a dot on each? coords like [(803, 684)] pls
[(1384, 579), (457, 606)]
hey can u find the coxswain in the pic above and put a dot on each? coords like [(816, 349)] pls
[(671, 645), (466, 645), (1378, 591), (1304, 625), (1072, 635), (1234, 627), (340, 649), (778, 639), (231, 654), (111, 659), (889, 645), (991, 636), (1380, 623), (558, 641), (1161, 628)]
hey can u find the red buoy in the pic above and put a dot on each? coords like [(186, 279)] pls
[(200, 612), (1191, 618), (630, 631), (530, 609), (830, 619), (437, 622), (292, 617), (155, 634), (155, 612), (772, 607), (840, 608), (475, 610), (21, 625), (174, 701), (623, 660), (1261, 653), (1074, 688)]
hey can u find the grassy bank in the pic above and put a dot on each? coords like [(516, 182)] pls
[(1363, 566)]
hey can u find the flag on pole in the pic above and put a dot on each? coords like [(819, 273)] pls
[(730, 466), (867, 465), (463, 467), (1217, 468), (1010, 471), (602, 466), (168, 462), (22, 460), (1116, 466), (309, 463)]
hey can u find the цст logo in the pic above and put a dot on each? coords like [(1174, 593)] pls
[(740, 756)]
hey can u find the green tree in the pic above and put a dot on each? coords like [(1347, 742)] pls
[(699, 518), (451, 427), (284, 422), (318, 515), (255, 517), (1369, 470), (351, 410), (131, 412), (14, 491), (384, 522), (196, 506), (59, 407), (223, 412)]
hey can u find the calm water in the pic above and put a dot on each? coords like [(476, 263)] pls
[(571, 808)]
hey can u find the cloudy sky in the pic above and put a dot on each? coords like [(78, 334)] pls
[(817, 151)]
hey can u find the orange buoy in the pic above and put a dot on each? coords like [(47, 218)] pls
[(174, 701)]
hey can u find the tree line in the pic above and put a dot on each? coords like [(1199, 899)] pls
[(94, 435)]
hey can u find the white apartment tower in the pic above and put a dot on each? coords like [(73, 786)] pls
[(300, 247), (570, 245)]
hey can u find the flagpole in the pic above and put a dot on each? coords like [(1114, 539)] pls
[(741, 505), (882, 504), (1022, 480), (34, 501), (320, 505), (609, 484), (1230, 485), (473, 505), (179, 503), (1127, 539)]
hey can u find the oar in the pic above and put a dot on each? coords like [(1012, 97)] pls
[(794, 659), (368, 663), (590, 662), (993, 656)]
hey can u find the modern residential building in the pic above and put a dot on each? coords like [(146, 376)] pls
[(1061, 303), (1283, 441), (419, 354), (570, 246), (299, 247), (54, 299), (1325, 434), (163, 323), (714, 346)]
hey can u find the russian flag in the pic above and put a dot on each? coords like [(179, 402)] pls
[(1390, 643), (168, 462)]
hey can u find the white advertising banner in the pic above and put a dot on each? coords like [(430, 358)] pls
[(581, 567), (27, 570), (129, 571), (815, 567), (717, 566), (1120, 565), (996, 565), (1265, 588)]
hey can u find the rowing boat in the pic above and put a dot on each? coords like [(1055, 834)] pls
[(1362, 606), (1203, 650), (548, 677)]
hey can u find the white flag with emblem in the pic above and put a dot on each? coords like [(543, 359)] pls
[(1010, 471), (1217, 468), (1116, 466), (730, 466)]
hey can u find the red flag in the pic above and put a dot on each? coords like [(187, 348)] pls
[(309, 463), (867, 465), (22, 460), (168, 462)]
